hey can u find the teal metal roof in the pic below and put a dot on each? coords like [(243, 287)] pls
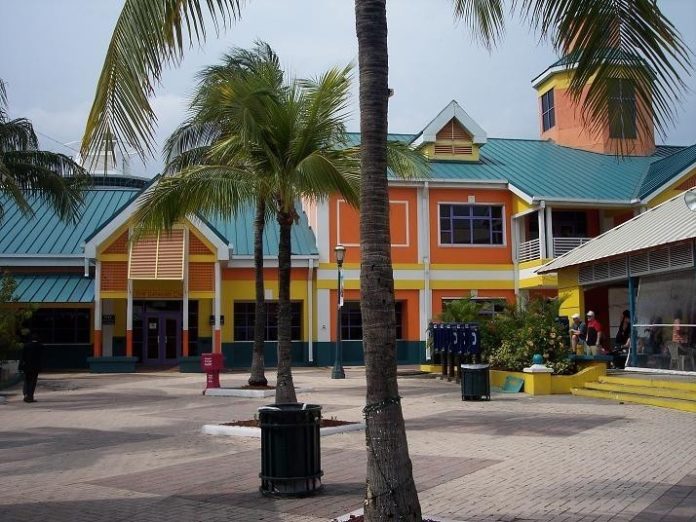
[(45, 234), (239, 232), (53, 288), (665, 169), (542, 169)]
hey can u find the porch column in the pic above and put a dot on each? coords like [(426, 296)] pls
[(542, 232), (549, 232), (129, 319), (632, 283), (97, 350), (185, 301), (310, 311), (217, 334)]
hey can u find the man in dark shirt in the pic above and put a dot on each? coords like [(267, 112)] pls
[(31, 365)]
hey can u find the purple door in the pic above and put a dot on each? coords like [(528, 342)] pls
[(162, 338)]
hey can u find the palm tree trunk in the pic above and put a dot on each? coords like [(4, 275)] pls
[(257, 377), (391, 493), (285, 389)]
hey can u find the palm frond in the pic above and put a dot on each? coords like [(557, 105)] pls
[(485, 18), (17, 135), (3, 101), (406, 162), (51, 177), (208, 190), (628, 40), (149, 35)]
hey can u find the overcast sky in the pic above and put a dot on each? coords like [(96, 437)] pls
[(53, 50)]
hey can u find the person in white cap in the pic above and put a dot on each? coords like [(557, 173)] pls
[(578, 335), (594, 334)]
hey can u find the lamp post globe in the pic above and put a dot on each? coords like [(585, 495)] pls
[(338, 372)]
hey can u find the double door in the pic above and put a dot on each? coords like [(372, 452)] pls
[(162, 337)]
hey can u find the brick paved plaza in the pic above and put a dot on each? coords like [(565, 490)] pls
[(129, 447)]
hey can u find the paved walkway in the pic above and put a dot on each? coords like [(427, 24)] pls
[(129, 448)]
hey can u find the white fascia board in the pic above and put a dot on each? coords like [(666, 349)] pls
[(453, 110), (42, 260), (590, 203), (494, 184), (90, 247), (520, 194), (223, 249), (550, 72), (683, 174)]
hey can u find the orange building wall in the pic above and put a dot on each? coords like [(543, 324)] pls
[(196, 246), (410, 316), (463, 254), (119, 245), (114, 276), (201, 277), (403, 224), (571, 131)]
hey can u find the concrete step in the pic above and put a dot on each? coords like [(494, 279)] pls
[(683, 384), (650, 400), (652, 391)]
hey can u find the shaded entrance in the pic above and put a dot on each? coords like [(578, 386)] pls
[(157, 329)]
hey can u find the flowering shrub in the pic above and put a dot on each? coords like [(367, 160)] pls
[(512, 338)]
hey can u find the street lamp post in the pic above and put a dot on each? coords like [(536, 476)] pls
[(337, 372)]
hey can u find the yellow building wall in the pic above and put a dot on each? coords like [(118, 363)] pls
[(245, 291), (570, 293)]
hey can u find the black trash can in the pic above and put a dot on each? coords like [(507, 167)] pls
[(476, 383), (290, 449)]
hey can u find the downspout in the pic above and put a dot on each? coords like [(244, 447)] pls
[(425, 235)]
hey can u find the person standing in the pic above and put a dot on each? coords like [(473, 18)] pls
[(31, 365)]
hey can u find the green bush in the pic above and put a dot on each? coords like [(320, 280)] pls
[(11, 318), (512, 338)]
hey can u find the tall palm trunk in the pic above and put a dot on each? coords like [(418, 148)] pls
[(257, 377), (391, 493), (285, 389)]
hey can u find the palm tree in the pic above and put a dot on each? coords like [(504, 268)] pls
[(27, 171), (139, 51), (258, 75), (253, 139)]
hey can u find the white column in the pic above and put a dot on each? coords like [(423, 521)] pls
[(424, 242), (310, 310), (97, 311), (185, 298), (549, 233), (515, 236), (217, 339), (542, 232), (323, 315)]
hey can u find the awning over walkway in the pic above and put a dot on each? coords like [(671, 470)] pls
[(53, 288)]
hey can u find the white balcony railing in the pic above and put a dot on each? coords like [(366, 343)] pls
[(529, 251), (561, 245)]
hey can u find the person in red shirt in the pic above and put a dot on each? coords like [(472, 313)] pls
[(594, 333)]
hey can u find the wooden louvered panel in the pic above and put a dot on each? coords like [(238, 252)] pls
[(196, 246), (114, 276), (143, 259), (443, 149), (119, 246), (201, 277), (462, 149), (453, 131), (170, 255)]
